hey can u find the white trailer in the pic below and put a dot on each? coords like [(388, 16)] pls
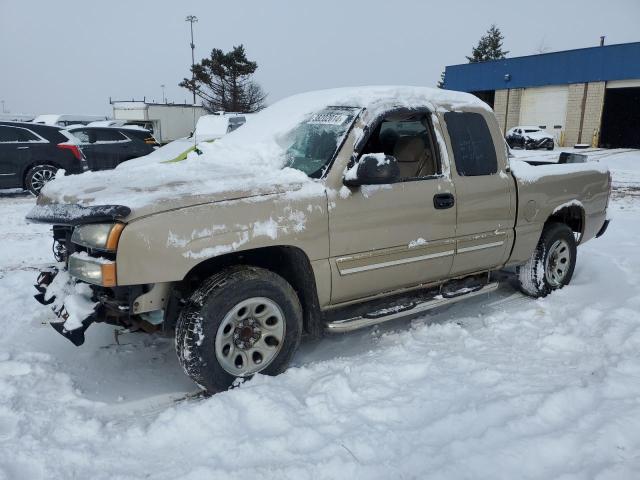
[(167, 121)]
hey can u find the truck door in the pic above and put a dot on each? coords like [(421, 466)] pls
[(485, 192), (388, 237)]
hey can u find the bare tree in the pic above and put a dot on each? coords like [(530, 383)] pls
[(542, 47)]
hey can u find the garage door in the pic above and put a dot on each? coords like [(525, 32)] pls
[(545, 107)]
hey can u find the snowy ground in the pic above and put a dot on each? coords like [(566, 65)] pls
[(500, 387)]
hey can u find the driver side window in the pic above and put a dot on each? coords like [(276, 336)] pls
[(408, 138)]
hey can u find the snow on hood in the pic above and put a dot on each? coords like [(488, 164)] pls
[(250, 159)]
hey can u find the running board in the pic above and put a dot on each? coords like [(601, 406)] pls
[(384, 315)]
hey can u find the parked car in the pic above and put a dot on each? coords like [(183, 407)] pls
[(30, 155), (107, 147), (529, 138), (330, 211)]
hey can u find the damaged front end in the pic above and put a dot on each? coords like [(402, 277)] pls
[(535, 143), (82, 287), (71, 301)]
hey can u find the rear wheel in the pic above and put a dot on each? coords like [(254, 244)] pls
[(242, 321), (38, 176), (552, 262)]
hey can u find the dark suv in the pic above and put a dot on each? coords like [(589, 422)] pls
[(30, 155), (107, 147)]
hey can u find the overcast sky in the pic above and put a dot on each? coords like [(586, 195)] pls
[(71, 56)]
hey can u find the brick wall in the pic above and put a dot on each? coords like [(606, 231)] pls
[(592, 111), (500, 106), (507, 119), (574, 114), (513, 115)]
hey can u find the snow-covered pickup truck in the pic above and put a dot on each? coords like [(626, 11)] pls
[(331, 211)]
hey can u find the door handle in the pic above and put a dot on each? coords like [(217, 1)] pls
[(23, 148), (442, 201)]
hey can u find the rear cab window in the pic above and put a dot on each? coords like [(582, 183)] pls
[(473, 149)]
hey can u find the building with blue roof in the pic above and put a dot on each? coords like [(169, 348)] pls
[(583, 96)]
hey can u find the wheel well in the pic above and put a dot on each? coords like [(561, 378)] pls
[(36, 164), (291, 263), (572, 216)]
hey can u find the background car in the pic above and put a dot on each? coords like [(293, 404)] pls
[(529, 138), (107, 147), (30, 155)]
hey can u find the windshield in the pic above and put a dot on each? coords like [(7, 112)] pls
[(311, 145), (532, 130)]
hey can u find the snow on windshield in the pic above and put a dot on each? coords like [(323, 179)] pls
[(250, 158)]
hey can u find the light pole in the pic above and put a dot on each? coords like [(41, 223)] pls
[(164, 99), (192, 19)]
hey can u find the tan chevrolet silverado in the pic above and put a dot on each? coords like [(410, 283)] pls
[(330, 211)]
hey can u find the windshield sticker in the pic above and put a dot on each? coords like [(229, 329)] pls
[(328, 119)]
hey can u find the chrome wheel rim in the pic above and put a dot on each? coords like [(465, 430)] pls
[(39, 178), (557, 263), (250, 336)]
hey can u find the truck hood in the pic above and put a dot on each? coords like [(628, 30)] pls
[(106, 204), (220, 173)]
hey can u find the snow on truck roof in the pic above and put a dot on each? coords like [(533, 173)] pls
[(249, 158)]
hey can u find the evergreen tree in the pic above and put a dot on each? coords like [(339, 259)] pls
[(224, 82), (489, 47), (441, 81)]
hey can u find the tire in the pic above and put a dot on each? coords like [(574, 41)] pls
[(550, 147), (37, 177), (551, 264), (217, 343)]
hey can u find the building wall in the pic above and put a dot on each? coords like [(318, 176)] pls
[(513, 113), (592, 111), (574, 113), (500, 107), (508, 114)]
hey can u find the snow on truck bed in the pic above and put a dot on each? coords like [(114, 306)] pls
[(250, 157), (497, 387)]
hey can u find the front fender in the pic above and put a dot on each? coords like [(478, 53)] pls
[(164, 247)]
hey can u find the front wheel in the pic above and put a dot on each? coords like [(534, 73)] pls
[(38, 176), (241, 321), (551, 264)]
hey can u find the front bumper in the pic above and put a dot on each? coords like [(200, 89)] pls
[(75, 312), (77, 304)]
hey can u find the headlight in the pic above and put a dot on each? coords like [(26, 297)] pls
[(92, 270), (100, 236)]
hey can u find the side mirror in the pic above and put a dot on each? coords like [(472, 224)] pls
[(373, 170)]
